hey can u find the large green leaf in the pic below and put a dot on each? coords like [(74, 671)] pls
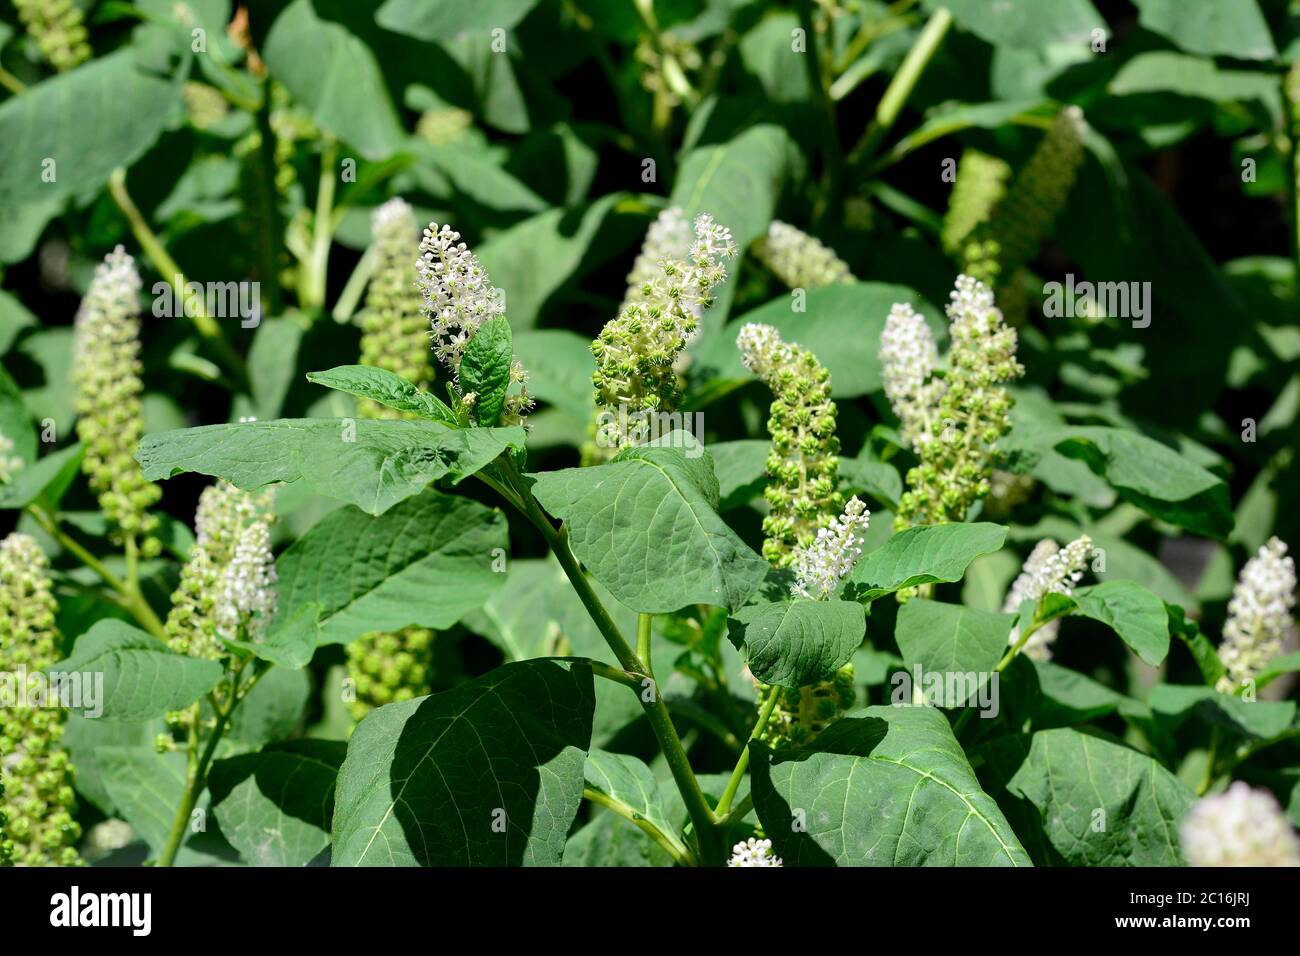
[(439, 20), (840, 324), (371, 464), (1153, 476), (646, 527), (426, 561), (335, 75), (1174, 704), (1030, 24), (142, 677), (795, 643), (1100, 803), (145, 787), (89, 121), (560, 366), (890, 788), (487, 774), (928, 554), (275, 806), (948, 639), (1233, 28)]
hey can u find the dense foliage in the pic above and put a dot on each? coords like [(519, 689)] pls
[(663, 432)]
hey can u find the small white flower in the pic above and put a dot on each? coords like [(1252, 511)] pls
[(1047, 570), (762, 350), (458, 296), (247, 598), (1258, 614), (669, 237), (753, 852), (394, 220), (820, 567), (908, 358), (1239, 827)]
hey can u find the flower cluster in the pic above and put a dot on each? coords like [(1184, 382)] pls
[(669, 237), (799, 260), (753, 852), (1005, 242), (458, 298), (636, 352), (971, 415), (441, 127), (1258, 615), (804, 712), (204, 105), (38, 798), (803, 462), (9, 464), (59, 29), (386, 668), (1239, 827), (980, 185), (908, 358), (225, 514), (106, 374), (394, 333), (820, 567), (1049, 569), (246, 600)]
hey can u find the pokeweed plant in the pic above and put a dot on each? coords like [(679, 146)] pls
[(459, 466)]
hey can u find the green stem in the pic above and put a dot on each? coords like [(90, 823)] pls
[(350, 297), (738, 811), (643, 634), (742, 763), (674, 849), (1212, 758), (268, 198), (313, 287), (129, 596), (652, 703), (11, 82), (601, 669), (901, 86), (166, 267)]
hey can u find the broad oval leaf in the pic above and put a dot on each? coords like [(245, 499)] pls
[(629, 781), (487, 774), (387, 388), (646, 527), (795, 643), (425, 562), (1235, 28), (928, 554), (371, 464), (142, 677), (954, 642), (890, 788)]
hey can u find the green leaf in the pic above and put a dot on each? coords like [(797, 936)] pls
[(337, 77), (1100, 803), (14, 317), (1254, 720), (388, 389), (928, 554), (293, 637), (1202, 651), (437, 20), (87, 741), (948, 639), (841, 325), (1027, 24), (1132, 612), (426, 562), (272, 359), (741, 467), (646, 527), (487, 774), (795, 643), (1233, 28), (890, 788), (560, 366), (868, 476), (275, 806), (89, 121), (145, 788), (371, 464), (1153, 476), (1286, 664), (142, 677), (738, 183), (485, 370), (629, 781), (273, 708)]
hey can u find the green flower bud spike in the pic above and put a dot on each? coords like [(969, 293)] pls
[(106, 377), (981, 184), (38, 798), (971, 412), (387, 668), (1003, 244), (803, 462), (637, 352), (394, 331), (800, 260), (59, 29)]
